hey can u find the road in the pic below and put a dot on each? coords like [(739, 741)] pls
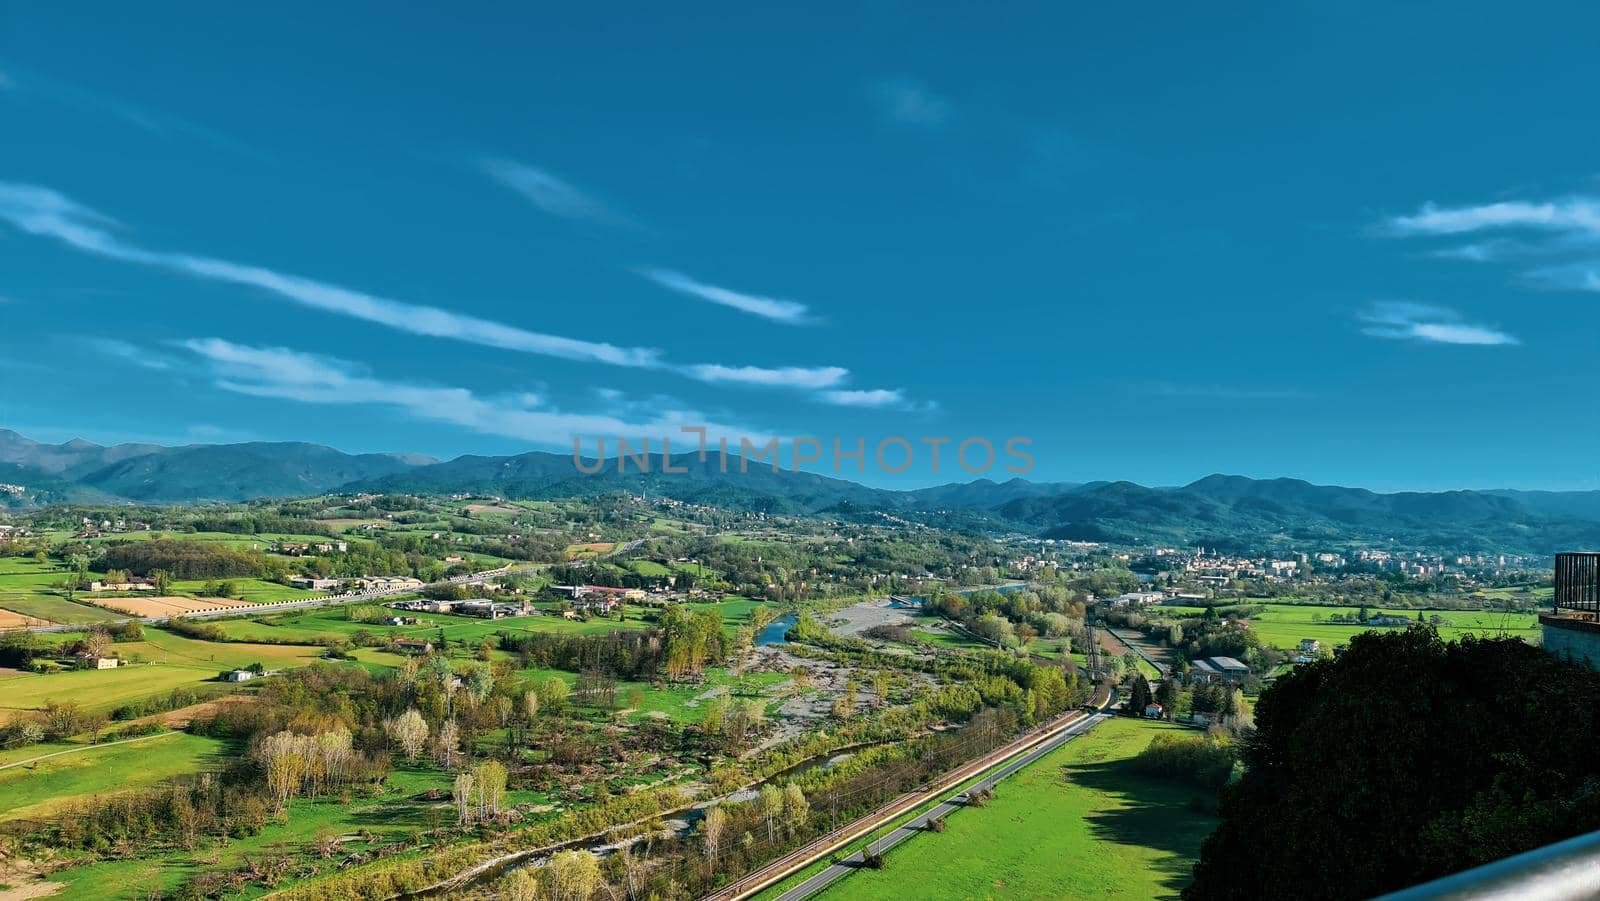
[(992, 763), (323, 600), (842, 869)]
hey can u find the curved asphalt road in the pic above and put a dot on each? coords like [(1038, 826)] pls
[(840, 870)]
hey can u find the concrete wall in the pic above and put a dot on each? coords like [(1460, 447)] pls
[(1576, 645)]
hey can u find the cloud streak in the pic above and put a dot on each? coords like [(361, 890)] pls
[(22, 84), (46, 213), (785, 311), (286, 374), (871, 398), (1406, 321), (1559, 239), (906, 102), (548, 192)]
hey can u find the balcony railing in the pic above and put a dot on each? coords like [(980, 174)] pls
[(1564, 871)]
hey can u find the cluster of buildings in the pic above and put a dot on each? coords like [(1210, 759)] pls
[(90, 528), (360, 583), (482, 608), (301, 549), (134, 583)]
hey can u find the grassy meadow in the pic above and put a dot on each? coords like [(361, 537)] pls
[(35, 788), (1078, 823), (1283, 625)]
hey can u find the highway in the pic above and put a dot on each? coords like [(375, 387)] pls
[(842, 869)]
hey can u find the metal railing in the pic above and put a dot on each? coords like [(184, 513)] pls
[(1564, 871)]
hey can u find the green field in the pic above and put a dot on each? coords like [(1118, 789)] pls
[(31, 789), (167, 661), (1283, 625), (1078, 823), (256, 591), (26, 587), (385, 818)]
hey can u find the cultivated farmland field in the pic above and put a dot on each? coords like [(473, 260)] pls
[(1079, 823), (134, 605)]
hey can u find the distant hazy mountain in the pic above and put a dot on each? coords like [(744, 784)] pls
[(1576, 504), (83, 471), (1237, 512), (1217, 511)]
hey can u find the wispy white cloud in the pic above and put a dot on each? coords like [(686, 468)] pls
[(285, 374), (1559, 239), (906, 102), (548, 192), (1407, 321), (874, 398), (782, 377), (143, 357), (1570, 214), (25, 84), (787, 311), (45, 213)]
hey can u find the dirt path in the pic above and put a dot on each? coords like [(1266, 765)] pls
[(104, 744)]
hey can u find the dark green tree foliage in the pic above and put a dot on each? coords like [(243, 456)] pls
[(1406, 759), (1139, 696), (183, 559)]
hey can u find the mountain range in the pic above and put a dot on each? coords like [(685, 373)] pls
[(1222, 511)]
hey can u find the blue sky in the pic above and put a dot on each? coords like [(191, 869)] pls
[(1354, 243)]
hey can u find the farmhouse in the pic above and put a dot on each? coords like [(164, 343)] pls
[(134, 583), (1153, 711), (241, 675), (312, 583), (413, 646), (95, 661)]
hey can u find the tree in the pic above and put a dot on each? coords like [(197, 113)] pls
[(410, 731), (461, 793), (1404, 759), (97, 643), (880, 686), (771, 807), (796, 809), (1139, 696), (489, 787), (447, 743), (530, 704), (716, 832), (522, 885), (553, 692), (572, 876), (284, 757)]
